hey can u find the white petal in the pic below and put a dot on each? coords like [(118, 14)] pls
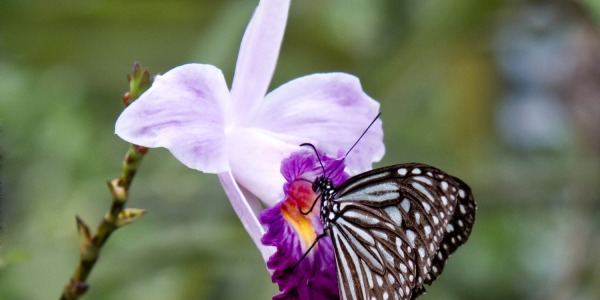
[(246, 206), (255, 158), (258, 56), (330, 110), (183, 112)]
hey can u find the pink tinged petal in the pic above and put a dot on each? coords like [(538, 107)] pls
[(247, 208), (258, 55), (329, 110), (182, 111), (255, 157)]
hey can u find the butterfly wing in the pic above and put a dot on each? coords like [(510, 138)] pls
[(395, 228)]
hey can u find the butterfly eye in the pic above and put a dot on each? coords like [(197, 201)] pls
[(317, 185)]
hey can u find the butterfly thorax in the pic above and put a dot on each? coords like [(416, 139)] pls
[(324, 186)]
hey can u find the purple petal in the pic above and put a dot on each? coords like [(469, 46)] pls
[(304, 164), (182, 111), (258, 56), (314, 278), (329, 110), (246, 207)]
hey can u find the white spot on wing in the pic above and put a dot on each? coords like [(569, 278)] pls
[(405, 204), (380, 192), (372, 257), (402, 171), (379, 280), (386, 254), (379, 234), (398, 246), (422, 189), (423, 179), (426, 206), (369, 275), (444, 185), (347, 274), (367, 179), (411, 237), (427, 230), (394, 213), (403, 268), (358, 231), (352, 214)]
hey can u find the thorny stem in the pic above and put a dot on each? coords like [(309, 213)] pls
[(118, 216)]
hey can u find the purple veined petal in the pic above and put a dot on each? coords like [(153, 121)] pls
[(182, 111), (247, 207), (257, 57), (330, 110), (255, 157)]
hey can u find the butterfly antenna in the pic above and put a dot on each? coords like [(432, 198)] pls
[(320, 236), (355, 143), (322, 167), (316, 153)]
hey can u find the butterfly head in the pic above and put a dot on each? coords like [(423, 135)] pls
[(322, 185)]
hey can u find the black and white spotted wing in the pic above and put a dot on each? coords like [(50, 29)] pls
[(393, 228)]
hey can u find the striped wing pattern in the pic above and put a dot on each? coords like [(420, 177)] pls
[(393, 229)]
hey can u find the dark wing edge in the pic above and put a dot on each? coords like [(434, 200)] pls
[(457, 232)]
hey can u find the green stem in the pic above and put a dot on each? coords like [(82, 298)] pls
[(118, 216), (92, 245)]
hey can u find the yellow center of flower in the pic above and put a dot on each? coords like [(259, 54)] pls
[(301, 197)]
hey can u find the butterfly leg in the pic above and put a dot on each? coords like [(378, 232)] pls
[(320, 236)]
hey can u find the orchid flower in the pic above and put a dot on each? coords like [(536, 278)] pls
[(243, 134), (292, 229)]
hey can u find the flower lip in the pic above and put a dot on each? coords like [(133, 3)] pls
[(292, 229)]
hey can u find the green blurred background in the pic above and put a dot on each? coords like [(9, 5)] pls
[(503, 94)]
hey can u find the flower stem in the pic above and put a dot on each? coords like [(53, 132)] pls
[(118, 216)]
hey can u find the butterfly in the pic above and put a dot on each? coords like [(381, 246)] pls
[(393, 228)]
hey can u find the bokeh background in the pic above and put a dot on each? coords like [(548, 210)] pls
[(503, 94)]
